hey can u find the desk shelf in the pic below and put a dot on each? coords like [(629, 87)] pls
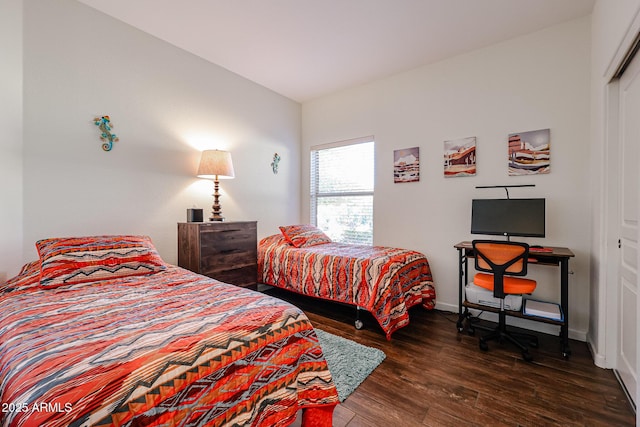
[(512, 313)]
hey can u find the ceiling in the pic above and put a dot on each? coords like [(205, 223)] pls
[(304, 49)]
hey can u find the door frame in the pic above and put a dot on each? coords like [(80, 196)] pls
[(610, 203), (608, 294)]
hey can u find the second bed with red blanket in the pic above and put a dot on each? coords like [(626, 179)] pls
[(384, 281)]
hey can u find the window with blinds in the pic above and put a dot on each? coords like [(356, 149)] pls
[(342, 178)]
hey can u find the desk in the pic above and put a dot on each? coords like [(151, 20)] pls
[(558, 256)]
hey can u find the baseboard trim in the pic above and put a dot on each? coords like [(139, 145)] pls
[(599, 359), (624, 389)]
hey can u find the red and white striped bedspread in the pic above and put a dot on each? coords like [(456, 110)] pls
[(172, 348), (384, 281)]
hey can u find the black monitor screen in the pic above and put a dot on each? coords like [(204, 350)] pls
[(508, 217)]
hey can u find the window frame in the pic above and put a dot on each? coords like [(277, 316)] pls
[(315, 195)]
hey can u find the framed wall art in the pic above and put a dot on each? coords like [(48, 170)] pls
[(529, 152), (406, 165), (460, 157)]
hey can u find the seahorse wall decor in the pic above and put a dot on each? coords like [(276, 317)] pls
[(104, 124)]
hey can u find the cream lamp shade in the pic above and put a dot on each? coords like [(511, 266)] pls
[(215, 164)]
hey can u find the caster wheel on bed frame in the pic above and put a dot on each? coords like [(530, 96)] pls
[(358, 324)]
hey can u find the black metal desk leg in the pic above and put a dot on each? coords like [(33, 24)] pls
[(462, 274), (564, 302)]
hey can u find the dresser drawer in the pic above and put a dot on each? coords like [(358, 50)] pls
[(219, 244), (226, 251), (245, 277)]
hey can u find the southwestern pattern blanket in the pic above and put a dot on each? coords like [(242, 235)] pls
[(384, 281), (170, 348)]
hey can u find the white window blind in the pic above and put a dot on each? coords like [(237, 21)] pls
[(342, 180)]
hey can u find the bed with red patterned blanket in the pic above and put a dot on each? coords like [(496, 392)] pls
[(384, 281), (99, 331)]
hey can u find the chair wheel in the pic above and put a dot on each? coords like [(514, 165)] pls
[(359, 324), (483, 345), (526, 356), (471, 331), (566, 351), (459, 326)]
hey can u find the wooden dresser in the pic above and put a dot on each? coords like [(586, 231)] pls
[(226, 251)]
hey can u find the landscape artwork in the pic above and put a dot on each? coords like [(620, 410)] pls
[(460, 157), (529, 152), (406, 165)]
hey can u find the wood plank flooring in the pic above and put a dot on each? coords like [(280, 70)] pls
[(435, 376)]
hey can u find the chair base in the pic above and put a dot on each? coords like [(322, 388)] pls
[(501, 334)]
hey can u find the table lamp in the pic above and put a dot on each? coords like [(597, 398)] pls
[(216, 164)]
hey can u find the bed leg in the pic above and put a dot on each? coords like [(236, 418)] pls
[(358, 323), (320, 416)]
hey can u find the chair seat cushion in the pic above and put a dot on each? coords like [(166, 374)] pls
[(512, 285)]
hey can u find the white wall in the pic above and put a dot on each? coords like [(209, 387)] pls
[(166, 106), (533, 82), (10, 138)]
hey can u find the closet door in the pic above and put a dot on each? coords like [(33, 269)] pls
[(627, 352)]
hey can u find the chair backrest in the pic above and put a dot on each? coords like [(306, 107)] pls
[(501, 258)]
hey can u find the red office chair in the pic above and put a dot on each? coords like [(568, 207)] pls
[(503, 259)]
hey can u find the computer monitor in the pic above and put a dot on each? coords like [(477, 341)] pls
[(508, 217)]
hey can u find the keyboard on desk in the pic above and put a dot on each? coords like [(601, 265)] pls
[(539, 249)]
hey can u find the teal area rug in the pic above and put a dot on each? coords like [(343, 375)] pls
[(350, 363)]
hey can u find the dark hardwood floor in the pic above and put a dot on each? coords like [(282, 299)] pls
[(435, 376)]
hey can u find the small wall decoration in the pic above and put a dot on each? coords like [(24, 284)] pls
[(104, 124), (529, 152), (406, 165), (460, 157), (274, 163)]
